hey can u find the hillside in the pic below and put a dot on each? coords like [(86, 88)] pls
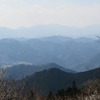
[(52, 79), (69, 52), (92, 63), (55, 79), (22, 70), (49, 30)]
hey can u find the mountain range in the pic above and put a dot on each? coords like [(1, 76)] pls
[(74, 54), (49, 30), (22, 70)]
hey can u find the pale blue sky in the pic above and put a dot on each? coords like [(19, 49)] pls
[(25, 13)]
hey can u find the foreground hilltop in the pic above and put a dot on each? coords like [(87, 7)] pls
[(55, 79)]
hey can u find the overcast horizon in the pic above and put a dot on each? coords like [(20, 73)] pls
[(42, 18), (27, 13)]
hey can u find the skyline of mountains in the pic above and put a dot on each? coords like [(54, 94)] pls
[(39, 31)]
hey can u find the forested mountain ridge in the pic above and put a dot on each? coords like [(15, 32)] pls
[(55, 79), (22, 70), (70, 52)]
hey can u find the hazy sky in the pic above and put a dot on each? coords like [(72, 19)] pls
[(25, 13)]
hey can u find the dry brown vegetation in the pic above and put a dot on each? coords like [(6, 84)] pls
[(14, 90)]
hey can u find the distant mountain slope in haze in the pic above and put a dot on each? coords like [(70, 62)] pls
[(92, 63), (57, 39), (23, 70), (84, 39), (49, 30), (55, 79), (68, 53)]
